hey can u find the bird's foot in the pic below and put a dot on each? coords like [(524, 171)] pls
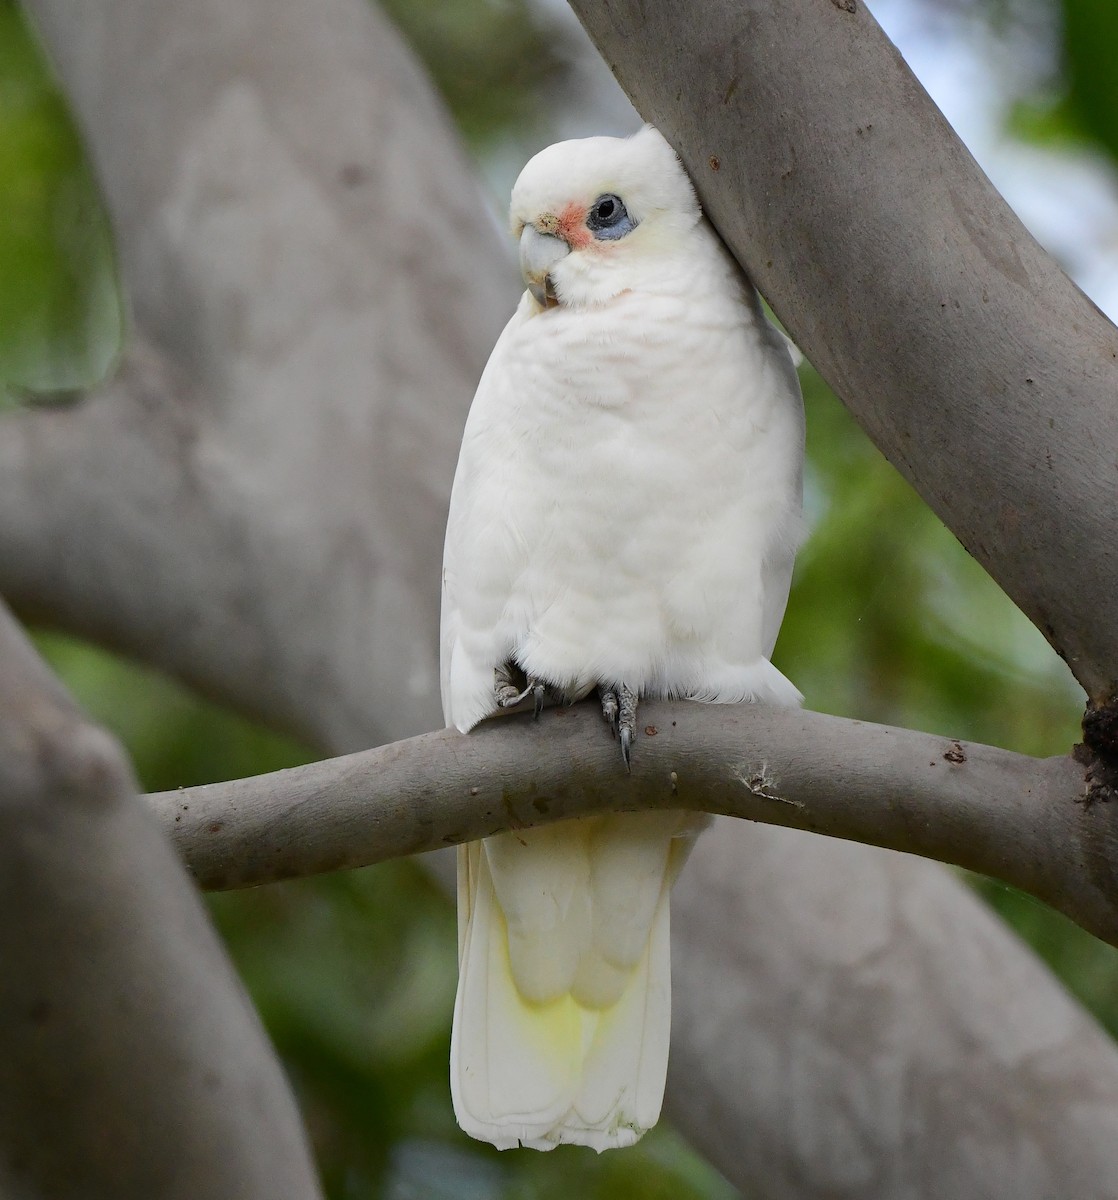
[(508, 692), (619, 707)]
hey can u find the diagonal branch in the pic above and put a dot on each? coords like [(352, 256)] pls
[(313, 303), (815, 1016), (983, 374), (1019, 819)]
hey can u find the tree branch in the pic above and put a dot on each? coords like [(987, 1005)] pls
[(131, 1063), (308, 340), (954, 339), (780, 990), (809, 1055), (1019, 819)]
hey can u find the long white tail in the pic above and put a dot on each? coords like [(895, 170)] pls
[(563, 1013)]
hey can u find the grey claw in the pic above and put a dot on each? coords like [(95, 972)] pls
[(505, 691), (609, 707), (508, 695), (619, 707), (626, 721)]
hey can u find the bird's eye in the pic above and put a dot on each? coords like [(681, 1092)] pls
[(608, 218)]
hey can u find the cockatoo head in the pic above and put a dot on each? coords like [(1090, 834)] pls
[(596, 216)]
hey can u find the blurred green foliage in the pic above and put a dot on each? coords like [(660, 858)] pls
[(60, 317), (1078, 107), (890, 620), (1090, 43), (493, 60)]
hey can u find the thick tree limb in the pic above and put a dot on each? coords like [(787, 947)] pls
[(1019, 819), (132, 1065), (292, 405), (983, 374), (257, 504), (818, 1016)]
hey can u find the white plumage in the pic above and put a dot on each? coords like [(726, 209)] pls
[(625, 512)]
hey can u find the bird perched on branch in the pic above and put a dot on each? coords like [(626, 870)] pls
[(624, 517)]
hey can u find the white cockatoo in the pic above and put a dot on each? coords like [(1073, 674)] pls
[(624, 516)]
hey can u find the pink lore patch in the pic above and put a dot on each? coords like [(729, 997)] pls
[(572, 227)]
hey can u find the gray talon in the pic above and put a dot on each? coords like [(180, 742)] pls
[(609, 706), (509, 695), (626, 721), (619, 707), (505, 690)]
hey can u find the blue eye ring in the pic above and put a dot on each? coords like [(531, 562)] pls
[(608, 218)]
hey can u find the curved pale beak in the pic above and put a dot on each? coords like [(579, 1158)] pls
[(539, 252)]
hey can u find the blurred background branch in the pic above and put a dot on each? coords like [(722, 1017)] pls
[(132, 1064), (253, 503)]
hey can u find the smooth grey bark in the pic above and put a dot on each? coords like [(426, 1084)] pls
[(315, 280), (818, 1015), (132, 1065), (979, 369), (256, 503), (1023, 820)]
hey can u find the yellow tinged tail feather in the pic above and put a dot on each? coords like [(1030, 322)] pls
[(563, 1012)]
